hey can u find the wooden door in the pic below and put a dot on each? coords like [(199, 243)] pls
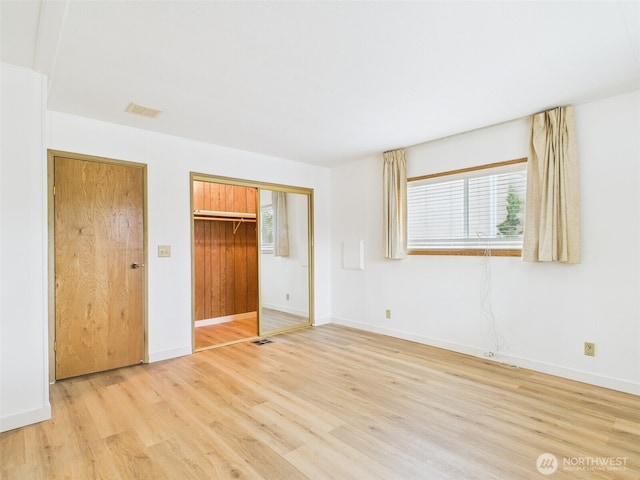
[(99, 274)]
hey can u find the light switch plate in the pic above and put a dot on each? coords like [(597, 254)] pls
[(164, 250)]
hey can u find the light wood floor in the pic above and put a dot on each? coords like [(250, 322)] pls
[(324, 402), (245, 326), (276, 320)]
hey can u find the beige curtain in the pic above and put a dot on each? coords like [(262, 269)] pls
[(552, 219), (395, 204), (280, 224)]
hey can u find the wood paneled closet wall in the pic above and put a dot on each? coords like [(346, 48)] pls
[(226, 251)]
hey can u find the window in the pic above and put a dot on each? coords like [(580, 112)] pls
[(266, 229), (466, 212)]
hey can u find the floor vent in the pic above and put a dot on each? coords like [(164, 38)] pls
[(262, 341)]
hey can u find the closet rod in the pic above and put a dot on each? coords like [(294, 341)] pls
[(223, 214), (226, 219), (236, 221)]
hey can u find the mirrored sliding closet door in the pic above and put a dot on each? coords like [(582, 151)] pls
[(252, 259)]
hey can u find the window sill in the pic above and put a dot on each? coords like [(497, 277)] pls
[(468, 252)]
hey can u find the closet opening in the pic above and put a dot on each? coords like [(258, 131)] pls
[(251, 261)]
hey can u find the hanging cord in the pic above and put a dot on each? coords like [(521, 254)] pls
[(487, 308), (487, 301)]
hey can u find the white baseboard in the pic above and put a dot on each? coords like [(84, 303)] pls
[(542, 367), (286, 309), (212, 321), (321, 321), (25, 418), (168, 354), (571, 374), (228, 318)]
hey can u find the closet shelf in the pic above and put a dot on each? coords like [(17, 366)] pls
[(223, 216), (220, 216)]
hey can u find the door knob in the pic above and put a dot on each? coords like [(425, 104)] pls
[(137, 265)]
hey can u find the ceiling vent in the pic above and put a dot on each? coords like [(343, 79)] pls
[(142, 110)]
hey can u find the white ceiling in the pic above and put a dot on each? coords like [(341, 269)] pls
[(323, 82)]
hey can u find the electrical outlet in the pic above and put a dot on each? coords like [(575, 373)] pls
[(590, 349), (286, 296), (387, 313), (164, 250)]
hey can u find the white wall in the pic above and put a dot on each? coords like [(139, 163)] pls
[(24, 370), (543, 312), (169, 160)]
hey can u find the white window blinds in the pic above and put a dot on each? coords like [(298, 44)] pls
[(266, 229), (478, 209)]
